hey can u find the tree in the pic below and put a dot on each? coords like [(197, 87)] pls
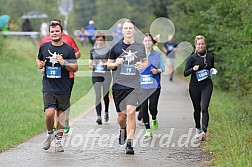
[(226, 27)]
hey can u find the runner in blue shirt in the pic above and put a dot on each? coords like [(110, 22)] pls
[(150, 84), (90, 29)]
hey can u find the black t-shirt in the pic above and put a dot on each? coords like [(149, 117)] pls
[(169, 46), (56, 78), (125, 75), (204, 63), (99, 55)]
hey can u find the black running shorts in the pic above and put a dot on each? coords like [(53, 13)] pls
[(61, 102), (124, 97)]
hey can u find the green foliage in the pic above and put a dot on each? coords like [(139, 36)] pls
[(84, 10), (114, 10), (230, 132), (16, 8), (20, 87), (1, 44), (106, 13), (226, 26)]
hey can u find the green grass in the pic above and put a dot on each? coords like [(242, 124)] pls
[(230, 133), (21, 112), (22, 116)]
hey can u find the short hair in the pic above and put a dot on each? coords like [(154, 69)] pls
[(129, 21), (198, 37), (56, 20), (54, 24), (100, 34)]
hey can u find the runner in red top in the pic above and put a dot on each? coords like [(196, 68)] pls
[(67, 39)]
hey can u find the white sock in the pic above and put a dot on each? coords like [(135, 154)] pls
[(198, 131)]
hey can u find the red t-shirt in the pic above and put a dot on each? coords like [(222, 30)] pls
[(66, 39)]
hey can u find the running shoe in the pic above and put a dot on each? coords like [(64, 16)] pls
[(99, 121), (106, 117), (197, 134), (66, 129), (122, 136), (59, 147), (48, 140), (148, 133), (129, 149), (154, 124)]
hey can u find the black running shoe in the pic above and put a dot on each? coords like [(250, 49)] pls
[(122, 136), (106, 117), (99, 121), (129, 149)]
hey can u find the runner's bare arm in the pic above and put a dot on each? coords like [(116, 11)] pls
[(73, 67), (77, 54), (112, 64)]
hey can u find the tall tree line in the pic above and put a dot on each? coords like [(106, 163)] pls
[(106, 13), (227, 27), (225, 24), (16, 8)]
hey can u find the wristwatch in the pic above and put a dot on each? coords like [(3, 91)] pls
[(66, 63)]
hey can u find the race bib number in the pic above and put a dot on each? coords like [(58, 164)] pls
[(53, 72), (202, 74), (99, 69), (170, 47), (128, 69), (146, 79)]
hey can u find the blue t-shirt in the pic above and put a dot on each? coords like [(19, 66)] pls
[(91, 30), (148, 79)]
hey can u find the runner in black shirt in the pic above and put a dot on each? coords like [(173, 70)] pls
[(57, 59), (125, 59), (200, 66)]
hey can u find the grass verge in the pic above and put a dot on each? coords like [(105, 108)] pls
[(230, 132), (21, 110)]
